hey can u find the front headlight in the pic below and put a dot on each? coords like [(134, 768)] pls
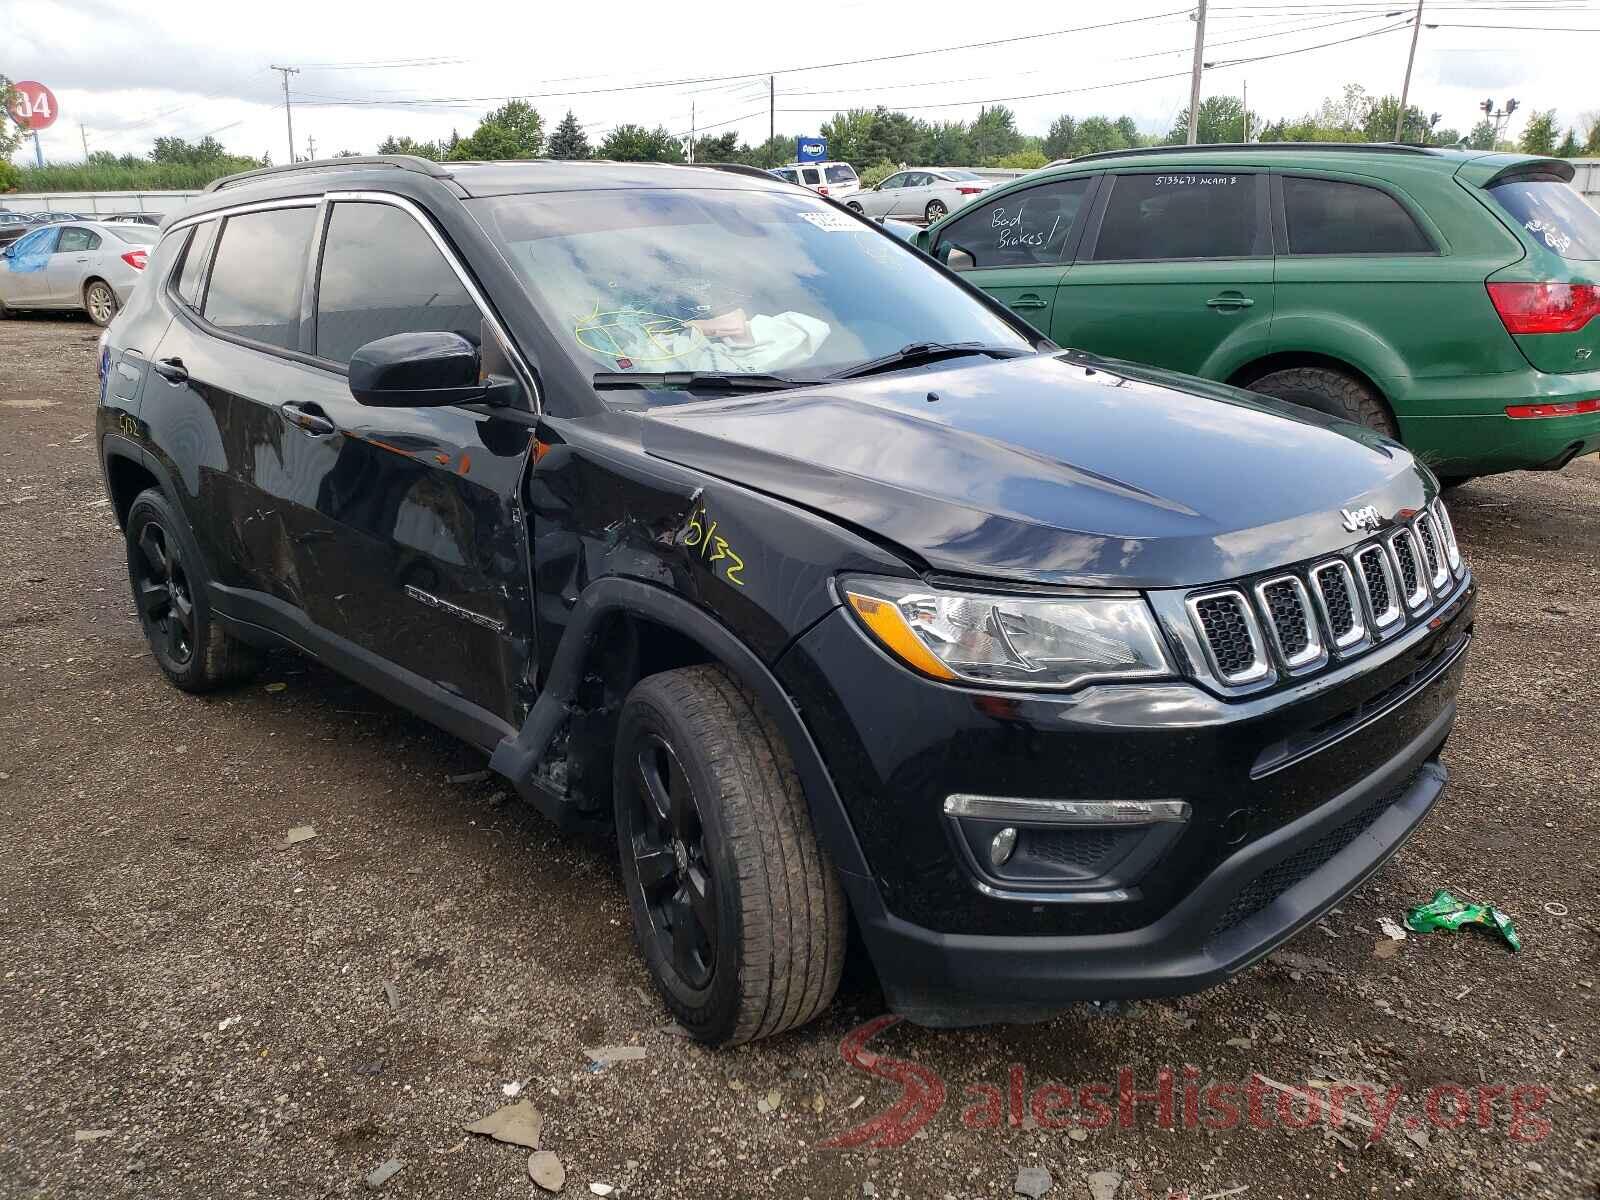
[(1011, 641)]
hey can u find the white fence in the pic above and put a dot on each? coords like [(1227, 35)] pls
[(96, 203)]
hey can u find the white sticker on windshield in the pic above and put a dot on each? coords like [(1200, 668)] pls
[(833, 222)]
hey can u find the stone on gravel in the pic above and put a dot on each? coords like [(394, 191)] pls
[(91, 1135), (384, 1173), (1103, 1185), (545, 1169), (1032, 1182), (606, 1055), (468, 777), (601, 1189), (299, 833), (519, 1124)]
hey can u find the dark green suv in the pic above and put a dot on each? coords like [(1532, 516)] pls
[(1443, 297)]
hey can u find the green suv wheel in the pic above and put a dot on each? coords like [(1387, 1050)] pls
[(1331, 392), (736, 908)]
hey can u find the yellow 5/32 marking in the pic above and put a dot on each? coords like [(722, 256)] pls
[(706, 540)]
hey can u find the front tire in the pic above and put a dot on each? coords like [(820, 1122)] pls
[(736, 907), (855, 208), (935, 211), (100, 302), (1331, 392), (169, 596)]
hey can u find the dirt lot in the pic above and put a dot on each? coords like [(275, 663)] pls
[(217, 1006)]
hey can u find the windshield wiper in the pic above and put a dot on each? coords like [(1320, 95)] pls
[(921, 353), (696, 379)]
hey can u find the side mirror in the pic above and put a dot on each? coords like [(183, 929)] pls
[(423, 370)]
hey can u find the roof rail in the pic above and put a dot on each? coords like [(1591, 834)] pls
[(736, 169), (403, 162), (1231, 147)]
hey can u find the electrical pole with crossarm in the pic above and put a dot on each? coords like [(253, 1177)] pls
[(1405, 88), (288, 109), (1199, 66)]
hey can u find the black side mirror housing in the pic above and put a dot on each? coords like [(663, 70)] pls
[(423, 370)]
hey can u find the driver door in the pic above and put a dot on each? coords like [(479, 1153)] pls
[(879, 202), (27, 267), (1019, 246)]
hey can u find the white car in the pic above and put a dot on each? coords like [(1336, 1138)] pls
[(86, 265), (835, 179), (921, 194)]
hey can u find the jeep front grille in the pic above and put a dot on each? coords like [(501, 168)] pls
[(1258, 631)]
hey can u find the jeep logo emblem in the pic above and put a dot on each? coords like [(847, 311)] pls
[(1357, 519)]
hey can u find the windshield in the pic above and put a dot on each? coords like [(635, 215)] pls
[(727, 281), (1554, 213), (137, 235)]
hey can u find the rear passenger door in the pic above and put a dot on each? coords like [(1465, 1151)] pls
[(75, 253), (1019, 247), (1176, 270)]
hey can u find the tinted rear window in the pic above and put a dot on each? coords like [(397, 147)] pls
[(1553, 213), (1196, 214), (255, 280), (1325, 216), (840, 173)]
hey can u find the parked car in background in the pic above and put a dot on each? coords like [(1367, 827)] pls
[(835, 179), (845, 604), (13, 225), (133, 218), (84, 265), (1446, 298), (923, 194)]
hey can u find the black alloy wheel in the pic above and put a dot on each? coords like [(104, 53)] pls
[(667, 840), (161, 588)]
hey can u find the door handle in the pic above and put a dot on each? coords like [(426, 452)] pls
[(1230, 300), (171, 369), (80, 260), (1029, 300), (307, 417)]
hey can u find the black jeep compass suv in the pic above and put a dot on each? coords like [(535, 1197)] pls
[(724, 520)]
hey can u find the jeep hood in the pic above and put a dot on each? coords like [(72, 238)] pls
[(1054, 469)]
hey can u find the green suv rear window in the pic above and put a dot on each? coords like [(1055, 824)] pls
[(1554, 213)]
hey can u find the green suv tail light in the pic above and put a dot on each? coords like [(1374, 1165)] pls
[(1545, 307)]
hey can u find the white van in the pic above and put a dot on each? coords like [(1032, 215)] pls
[(836, 179)]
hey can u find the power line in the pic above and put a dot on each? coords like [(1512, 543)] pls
[(1097, 87), (852, 62)]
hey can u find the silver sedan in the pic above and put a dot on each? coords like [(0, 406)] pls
[(84, 265), (920, 195)]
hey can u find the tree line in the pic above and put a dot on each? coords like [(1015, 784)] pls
[(876, 140)]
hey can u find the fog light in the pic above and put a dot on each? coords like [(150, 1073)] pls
[(1004, 843)]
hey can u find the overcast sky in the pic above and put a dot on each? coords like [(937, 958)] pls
[(131, 72)]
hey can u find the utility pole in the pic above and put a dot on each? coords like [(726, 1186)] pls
[(1405, 88), (288, 109), (85, 136), (1246, 103), (691, 133), (311, 145), (1194, 78), (772, 107)]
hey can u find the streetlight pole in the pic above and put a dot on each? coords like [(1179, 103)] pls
[(288, 107), (1405, 88), (1194, 76)]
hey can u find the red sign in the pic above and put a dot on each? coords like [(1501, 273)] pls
[(35, 105)]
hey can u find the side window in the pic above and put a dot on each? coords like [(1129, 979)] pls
[(255, 280), (40, 241), (894, 181), (1327, 216), (76, 241), (1191, 214), (809, 174), (381, 274), (194, 262), (1020, 229)]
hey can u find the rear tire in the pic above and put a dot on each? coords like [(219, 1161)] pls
[(736, 907), (100, 302), (935, 211), (854, 207), (1331, 392), (169, 596)]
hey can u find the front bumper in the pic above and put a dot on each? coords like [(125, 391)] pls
[(951, 950)]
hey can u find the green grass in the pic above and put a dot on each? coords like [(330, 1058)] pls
[(128, 177)]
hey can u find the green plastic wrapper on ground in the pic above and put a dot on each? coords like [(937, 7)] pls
[(1444, 911)]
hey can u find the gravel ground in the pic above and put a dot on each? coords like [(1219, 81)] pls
[(213, 1010)]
